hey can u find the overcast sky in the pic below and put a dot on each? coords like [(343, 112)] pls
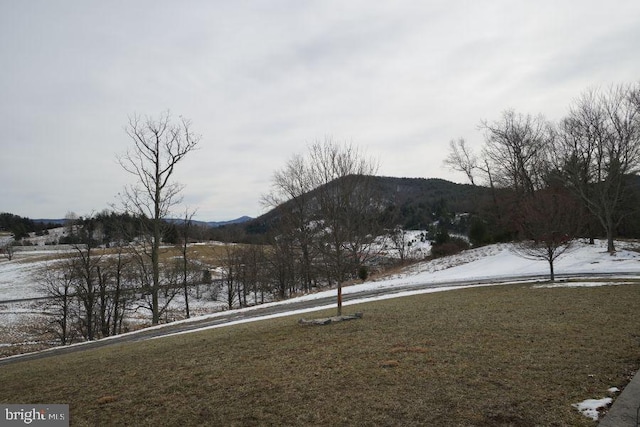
[(260, 80)]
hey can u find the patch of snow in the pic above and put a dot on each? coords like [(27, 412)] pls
[(589, 408), (582, 284), (19, 280), (414, 244)]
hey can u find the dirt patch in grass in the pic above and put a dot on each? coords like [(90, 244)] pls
[(499, 356)]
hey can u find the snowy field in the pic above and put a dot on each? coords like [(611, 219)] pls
[(18, 278)]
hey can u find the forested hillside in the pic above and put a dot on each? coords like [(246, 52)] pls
[(20, 227), (412, 203)]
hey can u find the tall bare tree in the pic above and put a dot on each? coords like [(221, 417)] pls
[(291, 195), (328, 213), (598, 149), (86, 264), (514, 161), (347, 206), (159, 145)]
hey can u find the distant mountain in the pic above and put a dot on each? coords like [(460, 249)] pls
[(215, 224), (432, 192), (212, 224), (417, 202), (49, 221)]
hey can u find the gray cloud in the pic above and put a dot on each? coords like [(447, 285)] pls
[(262, 80)]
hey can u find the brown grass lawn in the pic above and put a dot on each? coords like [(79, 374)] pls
[(498, 356)]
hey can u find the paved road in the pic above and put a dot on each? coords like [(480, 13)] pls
[(282, 308)]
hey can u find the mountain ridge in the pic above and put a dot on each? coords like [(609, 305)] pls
[(212, 224)]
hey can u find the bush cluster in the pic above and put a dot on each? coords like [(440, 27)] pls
[(453, 246)]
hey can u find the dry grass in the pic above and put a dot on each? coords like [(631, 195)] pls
[(207, 253), (211, 254), (513, 355)]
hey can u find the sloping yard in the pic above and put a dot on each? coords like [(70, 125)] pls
[(507, 355)]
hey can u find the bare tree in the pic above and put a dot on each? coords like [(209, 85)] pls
[(159, 145), (516, 151), (634, 95), (462, 159), (7, 248), (598, 148), (347, 207), (281, 262), (120, 265), (400, 242), (231, 264), (548, 222), (86, 269), (514, 160), (254, 262), (291, 196), (57, 282), (328, 212), (70, 225)]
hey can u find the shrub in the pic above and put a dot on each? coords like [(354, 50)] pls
[(453, 246), (479, 232), (363, 272)]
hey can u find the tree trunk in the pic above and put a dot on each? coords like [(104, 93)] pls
[(155, 249), (116, 300), (65, 314), (186, 300), (155, 268), (610, 244), (184, 282), (102, 288)]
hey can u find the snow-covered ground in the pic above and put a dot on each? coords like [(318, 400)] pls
[(17, 277), (494, 261)]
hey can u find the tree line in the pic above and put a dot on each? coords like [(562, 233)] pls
[(20, 227), (554, 181), (108, 275)]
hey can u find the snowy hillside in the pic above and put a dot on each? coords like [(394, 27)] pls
[(17, 277)]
